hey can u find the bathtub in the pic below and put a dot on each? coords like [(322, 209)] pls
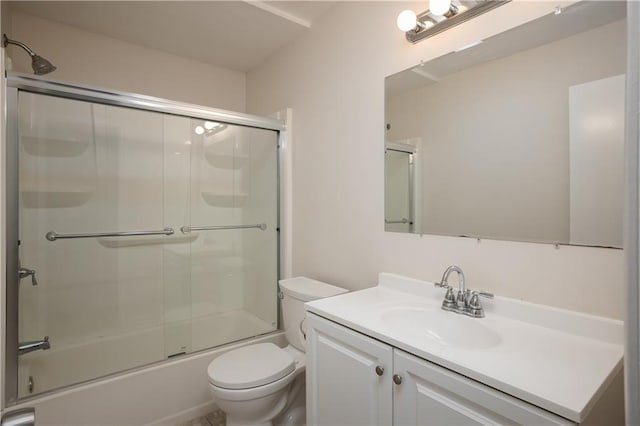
[(166, 392)]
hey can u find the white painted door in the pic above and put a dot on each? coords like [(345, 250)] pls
[(596, 161), (431, 395), (343, 386)]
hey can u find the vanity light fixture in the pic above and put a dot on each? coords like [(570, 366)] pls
[(407, 20), (442, 15), (442, 7)]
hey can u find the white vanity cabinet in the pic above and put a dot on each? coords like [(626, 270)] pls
[(432, 395), (348, 376), (356, 380)]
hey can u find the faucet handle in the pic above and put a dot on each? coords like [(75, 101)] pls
[(474, 302), (449, 296), (462, 299), (475, 308), (441, 285), (449, 302)]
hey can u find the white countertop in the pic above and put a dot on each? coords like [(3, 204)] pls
[(559, 360)]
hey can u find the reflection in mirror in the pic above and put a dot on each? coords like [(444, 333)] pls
[(521, 134), (399, 175)]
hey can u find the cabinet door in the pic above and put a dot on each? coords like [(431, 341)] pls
[(432, 395), (343, 386)]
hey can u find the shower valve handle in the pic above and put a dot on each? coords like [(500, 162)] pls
[(24, 272)]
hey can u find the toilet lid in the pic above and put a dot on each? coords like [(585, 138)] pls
[(250, 366)]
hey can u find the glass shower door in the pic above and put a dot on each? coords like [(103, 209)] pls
[(141, 236), (86, 168), (233, 217)]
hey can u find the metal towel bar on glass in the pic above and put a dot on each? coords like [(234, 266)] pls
[(52, 236), (187, 229), (403, 220)]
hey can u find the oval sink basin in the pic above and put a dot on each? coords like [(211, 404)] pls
[(448, 328)]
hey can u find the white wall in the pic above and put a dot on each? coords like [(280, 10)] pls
[(89, 58), (505, 144), (333, 78)]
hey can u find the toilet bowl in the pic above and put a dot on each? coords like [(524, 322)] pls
[(262, 383)]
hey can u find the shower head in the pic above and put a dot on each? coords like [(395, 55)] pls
[(39, 64)]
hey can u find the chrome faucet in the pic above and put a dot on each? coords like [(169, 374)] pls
[(465, 302), (26, 347), (451, 302)]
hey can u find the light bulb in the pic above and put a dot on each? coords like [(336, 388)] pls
[(210, 125), (407, 20), (439, 7), (199, 130)]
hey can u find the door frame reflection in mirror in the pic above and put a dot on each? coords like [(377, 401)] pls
[(410, 222)]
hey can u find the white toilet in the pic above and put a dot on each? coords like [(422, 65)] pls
[(260, 383)]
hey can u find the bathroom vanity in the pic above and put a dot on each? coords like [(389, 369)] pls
[(391, 355)]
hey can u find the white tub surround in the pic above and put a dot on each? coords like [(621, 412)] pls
[(561, 361)]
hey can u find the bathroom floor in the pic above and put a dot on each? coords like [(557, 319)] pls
[(217, 418)]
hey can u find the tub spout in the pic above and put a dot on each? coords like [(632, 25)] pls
[(26, 347)]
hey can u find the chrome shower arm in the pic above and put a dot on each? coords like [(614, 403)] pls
[(6, 40)]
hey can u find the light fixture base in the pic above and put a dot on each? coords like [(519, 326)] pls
[(418, 34)]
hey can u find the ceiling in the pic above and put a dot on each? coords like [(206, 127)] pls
[(237, 35)]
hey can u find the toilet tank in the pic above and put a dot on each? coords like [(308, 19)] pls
[(295, 293)]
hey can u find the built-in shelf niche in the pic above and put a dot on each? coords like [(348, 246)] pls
[(118, 242), (226, 161), (55, 195), (225, 153), (224, 199), (52, 147)]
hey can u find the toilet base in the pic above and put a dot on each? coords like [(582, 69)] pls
[(256, 412), (295, 413), (295, 417), (285, 408)]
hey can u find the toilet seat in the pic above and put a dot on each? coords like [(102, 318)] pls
[(257, 392), (250, 367)]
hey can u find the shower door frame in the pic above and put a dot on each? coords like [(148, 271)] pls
[(16, 82), (411, 151)]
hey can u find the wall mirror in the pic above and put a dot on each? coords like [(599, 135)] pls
[(517, 137)]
